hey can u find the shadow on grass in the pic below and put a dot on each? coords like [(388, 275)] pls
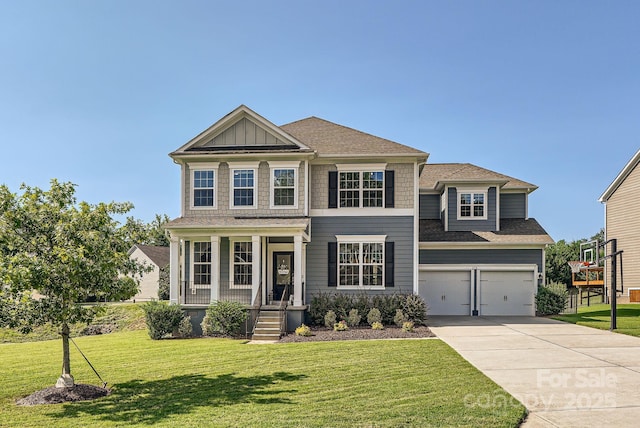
[(149, 402)]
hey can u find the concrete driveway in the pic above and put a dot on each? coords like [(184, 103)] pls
[(566, 375)]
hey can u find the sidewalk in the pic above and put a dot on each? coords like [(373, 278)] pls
[(566, 375)]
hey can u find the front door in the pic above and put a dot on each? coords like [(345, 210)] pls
[(282, 273)]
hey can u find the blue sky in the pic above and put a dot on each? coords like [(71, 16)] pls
[(99, 92)]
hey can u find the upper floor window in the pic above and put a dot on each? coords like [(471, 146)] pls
[(284, 187), (361, 189), (244, 186), (472, 205), (204, 177)]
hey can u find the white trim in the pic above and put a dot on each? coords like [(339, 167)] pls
[(284, 164), (209, 166), (416, 226), (232, 241), (243, 165), (489, 267), (296, 179), (480, 245), (497, 208), (360, 238), (255, 170), (307, 181), (192, 282), (620, 178), (361, 167), (361, 188), (361, 212), (444, 207)]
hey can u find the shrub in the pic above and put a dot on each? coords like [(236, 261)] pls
[(341, 326), (303, 330), (551, 299), (225, 318), (374, 316), (400, 318), (330, 319), (320, 305), (353, 319), (407, 326), (163, 283), (388, 305), (185, 329), (342, 304), (362, 302), (377, 326), (415, 309), (162, 319)]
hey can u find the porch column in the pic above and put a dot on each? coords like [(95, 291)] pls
[(297, 270), (174, 268), (255, 266), (215, 268)]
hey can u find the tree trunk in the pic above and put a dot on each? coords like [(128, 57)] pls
[(65, 380)]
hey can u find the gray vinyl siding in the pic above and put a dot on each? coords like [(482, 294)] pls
[(513, 205), (324, 229), (429, 207), (471, 257), (456, 225)]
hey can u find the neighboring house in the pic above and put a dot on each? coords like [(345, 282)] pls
[(323, 208), (622, 204), (156, 257)]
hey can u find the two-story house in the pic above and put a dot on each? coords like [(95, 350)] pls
[(312, 206)]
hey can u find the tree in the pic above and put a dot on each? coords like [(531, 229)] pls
[(164, 282), (54, 253), (138, 232), (558, 254)]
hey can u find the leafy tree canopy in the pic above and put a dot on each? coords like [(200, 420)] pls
[(558, 254), (55, 253), (138, 232)]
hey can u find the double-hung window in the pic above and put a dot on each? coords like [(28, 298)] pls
[(361, 189), (472, 205), (361, 261), (201, 263), (243, 188), (203, 179), (242, 264)]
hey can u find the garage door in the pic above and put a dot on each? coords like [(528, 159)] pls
[(507, 293), (446, 292)]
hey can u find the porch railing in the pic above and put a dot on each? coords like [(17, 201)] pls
[(253, 312), (199, 294), (284, 300)]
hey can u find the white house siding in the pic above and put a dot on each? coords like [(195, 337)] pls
[(149, 283), (623, 223)]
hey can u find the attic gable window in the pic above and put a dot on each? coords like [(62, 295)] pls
[(472, 205)]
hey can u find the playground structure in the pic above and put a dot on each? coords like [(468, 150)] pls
[(587, 275)]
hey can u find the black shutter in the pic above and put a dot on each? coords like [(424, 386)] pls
[(333, 189), (389, 189), (333, 264), (388, 264)]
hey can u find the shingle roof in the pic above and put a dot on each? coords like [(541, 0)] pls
[(329, 138), (512, 231), (158, 255), (437, 173)]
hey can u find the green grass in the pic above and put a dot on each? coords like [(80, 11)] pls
[(124, 316), (599, 316), (224, 382)]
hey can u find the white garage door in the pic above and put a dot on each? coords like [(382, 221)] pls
[(507, 293), (446, 292)]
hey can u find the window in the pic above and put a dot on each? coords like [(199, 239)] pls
[(242, 264), (202, 263), (472, 205), (361, 189), (361, 263), (284, 187), (203, 188), (243, 187)]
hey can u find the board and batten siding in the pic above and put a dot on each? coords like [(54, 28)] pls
[(430, 207), (324, 229), (623, 224), (456, 225), (513, 205), (489, 256)]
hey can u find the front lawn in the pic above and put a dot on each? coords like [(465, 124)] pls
[(599, 316), (222, 382)]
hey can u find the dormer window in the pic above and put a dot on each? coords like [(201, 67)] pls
[(472, 205)]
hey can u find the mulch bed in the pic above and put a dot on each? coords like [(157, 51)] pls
[(53, 395), (325, 334)]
